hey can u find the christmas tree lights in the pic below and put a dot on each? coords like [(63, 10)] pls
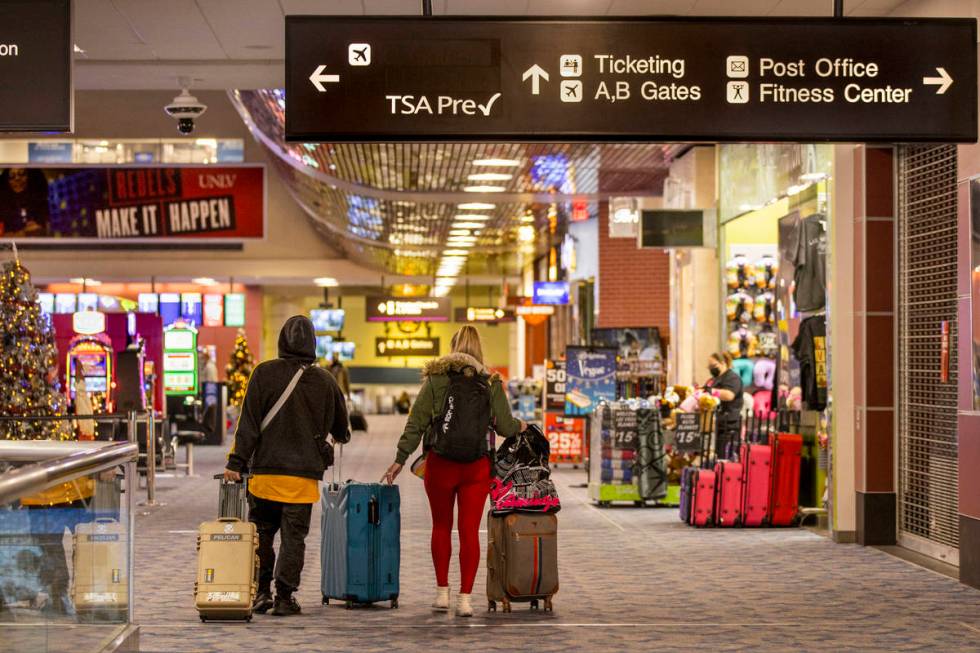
[(239, 370), (28, 361)]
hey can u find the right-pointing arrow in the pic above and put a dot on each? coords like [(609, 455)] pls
[(536, 73), (944, 81)]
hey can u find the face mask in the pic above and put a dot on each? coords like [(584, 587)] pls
[(714, 369)]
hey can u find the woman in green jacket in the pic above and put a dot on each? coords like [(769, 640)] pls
[(449, 482)]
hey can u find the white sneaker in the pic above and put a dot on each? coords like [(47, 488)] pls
[(463, 606), (442, 599)]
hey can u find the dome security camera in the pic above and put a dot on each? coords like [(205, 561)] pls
[(185, 109)]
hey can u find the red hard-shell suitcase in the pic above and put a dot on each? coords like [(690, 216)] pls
[(703, 500), (784, 489), (728, 501), (756, 460)]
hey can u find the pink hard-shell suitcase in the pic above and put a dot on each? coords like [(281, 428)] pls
[(756, 469), (728, 501), (703, 500)]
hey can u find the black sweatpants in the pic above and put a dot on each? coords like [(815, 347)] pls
[(292, 522)]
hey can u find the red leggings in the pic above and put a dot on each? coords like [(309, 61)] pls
[(448, 483)]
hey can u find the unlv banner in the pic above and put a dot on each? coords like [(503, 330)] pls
[(132, 203)]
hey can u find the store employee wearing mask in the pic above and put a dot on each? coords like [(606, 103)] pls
[(726, 384)]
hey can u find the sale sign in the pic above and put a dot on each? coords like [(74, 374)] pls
[(566, 437), (554, 385)]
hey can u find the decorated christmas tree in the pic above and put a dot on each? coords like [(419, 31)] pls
[(28, 361), (239, 369)]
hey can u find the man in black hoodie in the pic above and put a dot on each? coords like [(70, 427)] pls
[(286, 458)]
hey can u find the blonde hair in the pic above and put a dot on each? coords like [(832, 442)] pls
[(467, 341)]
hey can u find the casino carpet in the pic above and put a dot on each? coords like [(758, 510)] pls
[(631, 579)]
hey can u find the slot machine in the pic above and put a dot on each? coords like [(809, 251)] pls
[(91, 356)]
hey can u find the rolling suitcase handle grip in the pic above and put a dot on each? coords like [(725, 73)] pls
[(374, 512), (221, 477)]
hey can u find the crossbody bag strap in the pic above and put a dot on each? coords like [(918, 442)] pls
[(282, 398)]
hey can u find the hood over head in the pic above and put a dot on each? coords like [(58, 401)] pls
[(456, 362), (297, 339)]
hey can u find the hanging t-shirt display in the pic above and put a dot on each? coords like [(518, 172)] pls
[(810, 349), (810, 262)]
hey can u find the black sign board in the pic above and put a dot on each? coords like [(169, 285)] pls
[(687, 434), (672, 228), (625, 429), (396, 347), (636, 79), (35, 65), (554, 386), (408, 309)]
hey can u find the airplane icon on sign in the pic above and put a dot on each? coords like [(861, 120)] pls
[(571, 90), (359, 54)]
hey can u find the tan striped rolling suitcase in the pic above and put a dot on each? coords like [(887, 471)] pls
[(522, 559)]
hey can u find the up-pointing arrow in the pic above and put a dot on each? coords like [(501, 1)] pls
[(944, 81), (318, 78), (536, 73)]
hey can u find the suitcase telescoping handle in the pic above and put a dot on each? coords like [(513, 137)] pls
[(338, 464), (221, 477)]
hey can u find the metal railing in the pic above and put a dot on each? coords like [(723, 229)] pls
[(131, 419), (31, 479)]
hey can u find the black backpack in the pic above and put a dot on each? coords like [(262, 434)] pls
[(461, 432)]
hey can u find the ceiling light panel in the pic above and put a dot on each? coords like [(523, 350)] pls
[(500, 163), (319, 175)]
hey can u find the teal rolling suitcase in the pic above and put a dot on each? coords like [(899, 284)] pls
[(360, 535)]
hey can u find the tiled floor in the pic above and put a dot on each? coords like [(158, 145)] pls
[(631, 579)]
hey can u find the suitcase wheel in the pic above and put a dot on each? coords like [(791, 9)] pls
[(248, 619), (326, 600), (492, 606), (534, 604), (204, 619), (506, 605), (394, 603), (548, 607), (349, 605)]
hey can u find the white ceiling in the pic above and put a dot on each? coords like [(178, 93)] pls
[(222, 44)]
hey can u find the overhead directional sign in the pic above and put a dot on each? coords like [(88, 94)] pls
[(662, 79), (35, 65)]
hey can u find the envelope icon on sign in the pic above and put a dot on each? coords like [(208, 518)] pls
[(738, 67)]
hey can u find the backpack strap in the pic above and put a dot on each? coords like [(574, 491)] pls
[(276, 407)]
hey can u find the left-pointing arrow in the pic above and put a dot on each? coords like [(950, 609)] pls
[(318, 78)]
